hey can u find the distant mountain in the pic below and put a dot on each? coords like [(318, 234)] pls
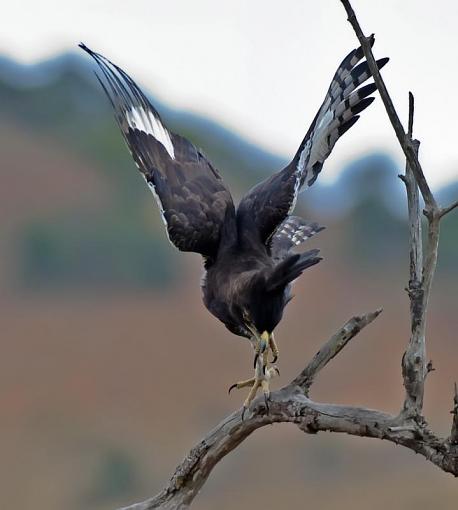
[(62, 96), (369, 178), (118, 244)]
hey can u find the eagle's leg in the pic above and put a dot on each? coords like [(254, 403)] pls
[(273, 348), (266, 391), (261, 346), (260, 381), (251, 395)]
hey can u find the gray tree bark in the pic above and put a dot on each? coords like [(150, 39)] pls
[(292, 404)]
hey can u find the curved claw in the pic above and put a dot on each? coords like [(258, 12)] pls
[(231, 388), (255, 360), (274, 358), (266, 401)]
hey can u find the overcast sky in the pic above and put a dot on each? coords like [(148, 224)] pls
[(262, 67)]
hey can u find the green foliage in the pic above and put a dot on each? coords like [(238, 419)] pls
[(374, 237), (84, 252), (115, 478)]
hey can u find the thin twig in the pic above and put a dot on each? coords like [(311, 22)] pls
[(404, 141), (446, 210), (332, 347), (454, 411)]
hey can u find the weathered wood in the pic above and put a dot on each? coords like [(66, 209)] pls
[(290, 405), (454, 411), (414, 365), (332, 347), (414, 360)]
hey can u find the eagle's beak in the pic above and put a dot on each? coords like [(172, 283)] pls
[(264, 341), (265, 336)]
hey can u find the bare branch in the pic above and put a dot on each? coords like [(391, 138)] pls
[(404, 141), (414, 360), (291, 405), (414, 364), (446, 210), (454, 411), (332, 347)]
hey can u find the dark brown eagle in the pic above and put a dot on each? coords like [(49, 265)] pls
[(247, 250)]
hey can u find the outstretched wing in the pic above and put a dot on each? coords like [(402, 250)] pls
[(189, 191), (272, 200)]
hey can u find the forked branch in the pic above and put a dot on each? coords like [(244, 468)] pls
[(414, 363), (291, 404)]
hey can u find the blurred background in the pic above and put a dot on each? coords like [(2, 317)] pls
[(110, 367)]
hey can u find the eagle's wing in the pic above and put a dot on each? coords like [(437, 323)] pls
[(189, 191), (272, 200)]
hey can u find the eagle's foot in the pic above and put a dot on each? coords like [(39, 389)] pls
[(256, 383), (242, 384)]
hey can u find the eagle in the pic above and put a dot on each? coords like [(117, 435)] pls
[(247, 251)]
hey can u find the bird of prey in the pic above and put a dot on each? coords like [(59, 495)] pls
[(247, 250)]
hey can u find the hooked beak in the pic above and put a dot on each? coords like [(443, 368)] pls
[(265, 337)]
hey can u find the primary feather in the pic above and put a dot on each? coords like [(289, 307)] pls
[(190, 193)]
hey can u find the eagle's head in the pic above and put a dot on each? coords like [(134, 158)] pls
[(263, 309)]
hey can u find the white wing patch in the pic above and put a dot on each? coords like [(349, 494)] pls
[(145, 121), (159, 203), (300, 168)]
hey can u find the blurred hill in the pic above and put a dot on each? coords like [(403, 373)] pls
[(62, 102), (112, 243), (98, 309)]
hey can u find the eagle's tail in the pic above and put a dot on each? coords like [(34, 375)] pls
[(291, 268), (291, 233)]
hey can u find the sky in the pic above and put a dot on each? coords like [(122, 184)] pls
[(262, 67)]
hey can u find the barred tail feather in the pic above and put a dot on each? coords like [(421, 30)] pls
[(291, 233)]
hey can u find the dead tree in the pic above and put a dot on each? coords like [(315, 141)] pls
[(292, 404)]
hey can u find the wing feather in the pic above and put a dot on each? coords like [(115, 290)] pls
[(189, 191), (274, 199)]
